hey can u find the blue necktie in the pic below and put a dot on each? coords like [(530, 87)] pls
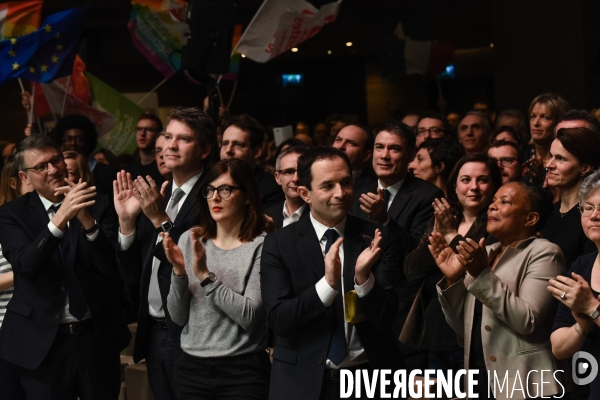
[(77, 303), (337, 346)]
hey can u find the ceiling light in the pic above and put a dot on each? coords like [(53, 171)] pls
[(328, 51), (348, 44), (294, 49), (243, 56), (491, 44)]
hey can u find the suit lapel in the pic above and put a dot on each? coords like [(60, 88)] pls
[(40, 216), (189, 203), (308, 244), (402, 197)]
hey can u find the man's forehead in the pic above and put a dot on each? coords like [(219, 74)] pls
[(503, 151), (74, 132), (324, 169), (430, 121), (352, 132), (471, 119), (40, 154), (576, 123), (234, 132), (289, 160), (389, 137), (147, 122)]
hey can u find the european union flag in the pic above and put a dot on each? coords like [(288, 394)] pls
[(47, 53)]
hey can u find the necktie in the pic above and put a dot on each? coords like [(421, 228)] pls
[(154, 298), (337, 345), (77, 303), (386, 197)]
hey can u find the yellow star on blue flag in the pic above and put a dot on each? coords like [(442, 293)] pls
[(34, 56)]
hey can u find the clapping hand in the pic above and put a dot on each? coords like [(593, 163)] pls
[(451, 264), (474, 255), (174, 255), (200, 268), (445, 220), (574, 293), (374, 205), (333, 265), (367, 259), (126, 204), (77, 199), (151, 199)]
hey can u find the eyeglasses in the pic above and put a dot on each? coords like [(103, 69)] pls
[(287, 172), (432, 131), (223, 190), (505, 161), (587, 209), (43, 167), (77, 139)]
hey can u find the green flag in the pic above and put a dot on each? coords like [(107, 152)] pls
[(121, 138)]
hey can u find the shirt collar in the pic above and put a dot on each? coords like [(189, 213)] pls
[(47, 203), (187, 187), (297, 212), (392, 189), (320, 229)]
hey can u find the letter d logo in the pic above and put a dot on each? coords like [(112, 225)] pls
[(580, 368)]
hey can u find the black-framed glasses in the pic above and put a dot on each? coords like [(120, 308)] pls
[(223, 190), (42, 167), (587, 209), (434, 130), (505, 161), (287, 172)]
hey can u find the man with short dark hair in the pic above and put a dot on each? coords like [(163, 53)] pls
[(293, 208), (144, 211), (64, 325), (147, 130), (578, 119), (243, 138), (509, 159), (319, 273), (431, 125)]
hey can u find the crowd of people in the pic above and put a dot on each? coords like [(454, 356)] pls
[(259, 270)]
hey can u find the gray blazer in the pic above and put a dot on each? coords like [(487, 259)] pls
[(518, 314)]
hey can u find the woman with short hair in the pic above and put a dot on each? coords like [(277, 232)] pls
[(215, 290)]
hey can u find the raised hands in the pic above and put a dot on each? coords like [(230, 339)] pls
[(200, 268), (77, 199), (126, 204), (374, 205), (333, 265), (474, 255), (174, 255), (445, 220), (151, 199), (367, 258), (451, 264), (574, 293)]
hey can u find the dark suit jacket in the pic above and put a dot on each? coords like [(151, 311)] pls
[(270, 192), (135, 266), (365, 183), (292, 263), (103, 176), (276, 212), (33, 314)]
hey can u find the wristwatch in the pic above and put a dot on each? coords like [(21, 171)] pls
[(209, 279), (594, 314), (165, 227)]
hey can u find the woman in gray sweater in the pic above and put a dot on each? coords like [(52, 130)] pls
[(215, 290)]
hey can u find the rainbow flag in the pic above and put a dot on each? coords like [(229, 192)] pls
[(18, 18)]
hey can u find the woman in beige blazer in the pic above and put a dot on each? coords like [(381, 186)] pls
[(495, 297)]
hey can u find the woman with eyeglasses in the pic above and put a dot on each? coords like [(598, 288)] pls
[(577, 319), (11, 187), (574, 155), (215, 290), (463, 214)]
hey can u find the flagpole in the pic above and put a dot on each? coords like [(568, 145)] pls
[(154, 89), (219, 90), (30, 119), (21, 83), (39, 124), (62, 110), (232, 94)]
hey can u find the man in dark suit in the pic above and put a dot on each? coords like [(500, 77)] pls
[(403, 203), (64, 325), (357, 142), (305, 289), (293, 208), (243, 138), (189, 138)]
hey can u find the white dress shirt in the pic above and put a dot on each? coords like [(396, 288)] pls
[(288, 219), (125, 241), (356, 354), (66, 317)]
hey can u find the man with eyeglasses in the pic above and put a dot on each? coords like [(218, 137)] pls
[(76, 132), (64, 326), (509, 159), (293, 208), (146, 132), (145, 210), (431, 125)]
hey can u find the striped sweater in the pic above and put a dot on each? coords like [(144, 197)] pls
[(5, 295)]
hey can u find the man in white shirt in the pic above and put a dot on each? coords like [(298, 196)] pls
[(144, 211), (286, 174)]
